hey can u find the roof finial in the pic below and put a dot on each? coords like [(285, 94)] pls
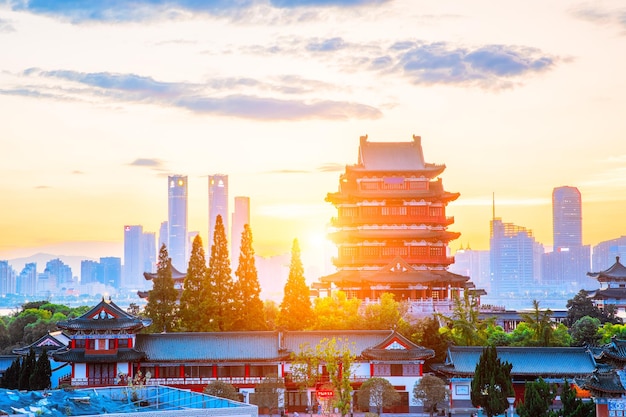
[(617, 259)]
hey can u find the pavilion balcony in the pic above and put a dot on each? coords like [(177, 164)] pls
[(343, 221), (382, 260)]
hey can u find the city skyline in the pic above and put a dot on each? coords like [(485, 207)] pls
[(102, 105)]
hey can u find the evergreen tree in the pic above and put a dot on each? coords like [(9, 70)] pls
[(538, 396), (40, 379), (161, 307), (218, 298), (28, 366), (492, 383), (195, 281), (574, 406), (431, 391), (295, 310), (249, 309), (11, 377)]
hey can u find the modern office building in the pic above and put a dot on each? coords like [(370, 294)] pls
[(133, 257), (111, 270), (515, 259), (566, 218), (60, 272), (163, 237), (149, 252), (26, 283), (7, 279), (391, 229), (604, 253), (565, 268), (474, 264), (218, 204), (177, 220), (89, 272), (241, 217)]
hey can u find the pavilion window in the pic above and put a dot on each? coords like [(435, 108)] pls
[(418, 211), (436, 211), (262, 370), (169, 371), (396, 369), (370, 211), (205, 371), (369, 185), (419, 251), (80, 343), (411, 370), (382, 369), (436, 251)]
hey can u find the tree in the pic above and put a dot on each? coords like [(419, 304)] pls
[(336, 312), (267, 393), (249, 309), (161, 307), (338, 357), (426, 332), (581, 305), (270, 312), (431, 391), (386, 314), (295, 309), (496, 336), (40, 379), (466, 326), (222, 389), (574, 406), (195, 281), (540, 324), (377, 393), (491, 384), (218, 298), (11, 377), (585, 331), (538, 396), (28, 366)]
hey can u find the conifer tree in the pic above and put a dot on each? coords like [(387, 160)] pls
[(492, 383), (161, 307), (11, 377), (28, 366), (191, 299), (249, 309), (295, 309), (218, 298), (40, 379)]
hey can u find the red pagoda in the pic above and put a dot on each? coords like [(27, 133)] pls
[(391, 229)]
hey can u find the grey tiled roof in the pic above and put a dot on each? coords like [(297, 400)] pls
[(543, 361), (359, 340), (394, 156), (210, 347), (616, 271), (91, 320), (77, 355)]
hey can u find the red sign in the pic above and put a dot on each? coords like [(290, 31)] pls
[(325, 393)]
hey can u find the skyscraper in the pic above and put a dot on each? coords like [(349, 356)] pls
[(7, 279), (241, 217), (218, 204), (177, 220), (133, 257), (566, 217)]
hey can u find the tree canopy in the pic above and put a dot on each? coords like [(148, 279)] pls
[(492, 383), (377, 393), (191, 314), (295, 309), (218, 299), (431, 391), (161, 307)]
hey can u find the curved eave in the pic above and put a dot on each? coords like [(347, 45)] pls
[(393, 354), (349, 196), (387, 234), (408, 277), (78, 355), (112, 325), (428, 171)]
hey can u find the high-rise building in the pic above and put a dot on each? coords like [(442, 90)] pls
[(163, 237), (149, 252), (474, 264), (7, 279), (89, 272), (133, 257), (604, 253), (27, 280), (218, 204), (566, 217), (111, 269), (61, 273), (565, 268), (177, 220), (241, 217), (515, 259)]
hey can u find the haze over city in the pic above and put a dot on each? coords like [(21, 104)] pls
[(101, 101)]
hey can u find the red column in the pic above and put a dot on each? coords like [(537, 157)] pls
[(130, 342), (421, 369), (73, 343), (156, 371), (72, 370), (246, 370), (181, 371), (371, 369), (214, 371)]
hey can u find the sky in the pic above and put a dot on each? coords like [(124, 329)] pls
[(101, 101)]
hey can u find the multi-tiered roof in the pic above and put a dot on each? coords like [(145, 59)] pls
[(391, 229)]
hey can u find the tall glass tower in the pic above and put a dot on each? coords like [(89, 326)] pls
[(566, 217), (177, 220), (218, 204)]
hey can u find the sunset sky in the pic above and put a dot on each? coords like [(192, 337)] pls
[(101, 100)]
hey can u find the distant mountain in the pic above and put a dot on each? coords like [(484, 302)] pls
[(42, 258)]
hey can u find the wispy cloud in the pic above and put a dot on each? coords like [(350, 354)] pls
[(6, 26), (137, 10), (331, 167), (601, 16), (288, 171), (152, 163), (200, 98), (77, 172)]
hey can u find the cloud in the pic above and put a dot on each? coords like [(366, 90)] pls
[(288, 171), (42, 187), (153, 163), (77, 172), (600, 16), (202, 98), (489, 66), (331, 167), (6, 26), (326, 45), (138, 10)]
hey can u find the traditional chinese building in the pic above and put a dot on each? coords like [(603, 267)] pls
[(177, 276), (391, 228), (102, 345), (612, 289)]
